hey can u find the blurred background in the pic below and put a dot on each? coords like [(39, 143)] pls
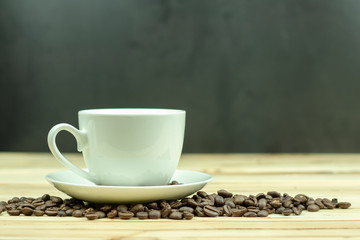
[(253, 75)]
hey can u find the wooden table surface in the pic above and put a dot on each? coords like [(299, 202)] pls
[(317, 175)]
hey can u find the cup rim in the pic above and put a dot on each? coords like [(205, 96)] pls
[(131, 111)]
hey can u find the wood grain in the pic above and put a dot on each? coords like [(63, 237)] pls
[(318, 175)]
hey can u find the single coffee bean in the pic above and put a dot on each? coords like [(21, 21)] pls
[(14, 212), (313, 208), (89, 210), (199, 211), (165, 211), (224, 193), (56, 200), (250, 214), (238, 212), (122, 208), (249, 202), (69, 212), (301, 207), (137, 208), (188, 215), (253, 209), (296, 211), (328, 203), (106, 208), (310, 202), (279, 210), (344, 205), (239, 199), (334, 201), (227, 210), (260, 196), (77, 213), (174, 182), (45, 197), (276, 203), (112, 214), (154, 214), (126, 215), (288, 204), (274, 194), (37, 203), (142, 215), (219, 201), (230, 203), (318, 202), (2, 208), (262, 213), (153, 205), (91, 216), (302, 198), (51, 211), (27, 211), (61, 214), (262, 203), (211, 211), (202, 194), (287, 212), (176, 215), (14, 200), (38, 213), (3, 203), (100, 214), (186, 209), (176, 204), (192, 203)]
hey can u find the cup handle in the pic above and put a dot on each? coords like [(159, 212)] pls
[(81, 140)]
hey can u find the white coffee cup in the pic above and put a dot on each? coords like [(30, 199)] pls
[(126, 147)]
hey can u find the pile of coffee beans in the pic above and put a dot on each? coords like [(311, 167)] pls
[(202, 204)]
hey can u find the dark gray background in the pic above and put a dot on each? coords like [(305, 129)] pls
[(253, 76)]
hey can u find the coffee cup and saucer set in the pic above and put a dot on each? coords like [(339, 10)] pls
[(131, 155)]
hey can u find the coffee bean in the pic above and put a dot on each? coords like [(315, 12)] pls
[(165, 211), (302, 198), (287, 212), (69, 212), (112, 214), (202, 194), (61, 214), (154, 214), (125, 215), (52, 211), (174, 182), (274, 194), (38, 212), (334, 201), (296, 211), (225, 194), (77, 213), (239, 199), (211, 211), (328, 203), (262, 213), (313, 208), (105, 208), (318, 202), (238, 212), (14, 200), (153, 205), (227, 210), (344, 205), (279, 210), (262, 203), (249, 202), (14, 212), (176, 215), (250, 214), (2, 208), (91, 216), (142, 215), (199, 211), (137, 208), (192, 203), (56, 200), (176, 204), (186, 209), (219, 201), (188, 215), (122, 208), (276, 203), (27, 211), (100, 214)]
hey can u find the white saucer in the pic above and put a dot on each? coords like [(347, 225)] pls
[(80, 188)]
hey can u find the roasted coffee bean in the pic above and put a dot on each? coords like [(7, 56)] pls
[(142, 215), (192, 203), (37, 203), (188, 215), (288, 204), (89, 210), (154, 214), (38, 212), (69, 212), (202, 194), (27, 211), (61, 214), (52, 211), (153, 205), (219, 201), (344, 205), (125, 215), (14, 212), (77, 213), (186, 209), (28, 205), (301, 207), (262, 213), (174, 182), (45, 197), (334, 201), (239, 199), (10, 206), (91, 216), (253, 209), (165, 211), (279, 210), (238, 212), (302, 198), (211, 211), (176, 204), (224, 193), (112, 214), (249, 202), (328, 203), (262, 203), (287, 212), (250, 214), (105, 208), (260, 196), (122, 208), (199, 211), (274, 194), (227, 210), (318, 202), (296, 211), (100, 214), (230, 203), (176, 215), (137, 208), (276, 203), (313, 208), (14, 200), (3, 203), (310, 202), (56, 200), (2, 208)]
